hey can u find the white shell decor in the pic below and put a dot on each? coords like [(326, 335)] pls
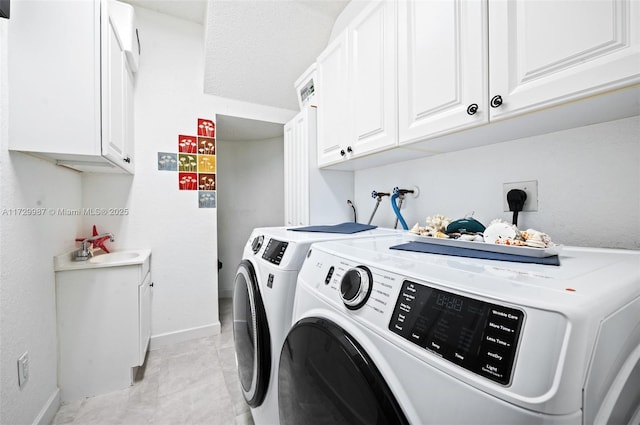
[(536, 239), (499, 231), (503, 233), (471, 238), (436, 227), (438, 222)]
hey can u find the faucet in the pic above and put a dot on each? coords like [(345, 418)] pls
[(83, 253)]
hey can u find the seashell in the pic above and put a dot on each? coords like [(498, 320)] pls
[(438, 222), (415, 229), (499, 231)]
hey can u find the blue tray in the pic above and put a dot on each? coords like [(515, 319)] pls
[(344, 228), (430, 248)]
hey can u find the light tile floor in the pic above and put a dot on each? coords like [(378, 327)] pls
[(191, 383)]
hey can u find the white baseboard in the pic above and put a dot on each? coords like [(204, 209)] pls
[(49, 410), (169, 338)]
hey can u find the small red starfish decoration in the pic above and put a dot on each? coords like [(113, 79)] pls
[(98, 243)]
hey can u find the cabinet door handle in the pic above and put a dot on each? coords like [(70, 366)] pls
[(151, 284), (472, 109), (127, 160), (496, 101), (349, 149), (342, 152)]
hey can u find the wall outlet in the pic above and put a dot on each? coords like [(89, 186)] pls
[(23, 369), (531, 189)]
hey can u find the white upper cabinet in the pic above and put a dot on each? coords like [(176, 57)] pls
[(117, 100), (71, 82), (333, 135), (357, 100), (544, 53), (311, 195), (469, 65), (442, 67), (372, 79)]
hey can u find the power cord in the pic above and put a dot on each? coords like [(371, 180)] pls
[(516, 199), (355, 216)]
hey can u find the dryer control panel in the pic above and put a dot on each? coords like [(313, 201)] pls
[(476, 335)]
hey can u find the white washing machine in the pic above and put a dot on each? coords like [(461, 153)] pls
[(384, 336), (264, 290)]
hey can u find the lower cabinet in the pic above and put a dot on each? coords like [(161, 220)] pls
[(104, 327)]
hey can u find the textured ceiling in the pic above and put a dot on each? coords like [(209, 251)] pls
[(255, 50)]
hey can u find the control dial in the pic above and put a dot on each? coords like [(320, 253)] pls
[(256, 244), (355, 287)]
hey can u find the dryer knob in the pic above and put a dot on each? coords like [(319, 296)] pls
[(256, 244), (355, 287)]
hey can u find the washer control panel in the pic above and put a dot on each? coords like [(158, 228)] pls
[(274, 251), (476, 335)]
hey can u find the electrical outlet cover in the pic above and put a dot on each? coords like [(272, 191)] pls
[(23, 369), (531, 189)]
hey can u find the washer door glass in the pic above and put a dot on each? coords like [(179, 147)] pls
[(250, 335), (326, 377)]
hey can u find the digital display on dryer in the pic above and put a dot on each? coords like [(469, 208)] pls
[(274, 251), (478, 336)]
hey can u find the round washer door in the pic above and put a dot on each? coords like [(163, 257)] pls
[(251, 335), (326, 377)]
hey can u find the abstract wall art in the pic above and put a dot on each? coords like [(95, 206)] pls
[(195, 162)]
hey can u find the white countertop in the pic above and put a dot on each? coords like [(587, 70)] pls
[(67, 261)]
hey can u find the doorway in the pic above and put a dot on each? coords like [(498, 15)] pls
[(250, 187)]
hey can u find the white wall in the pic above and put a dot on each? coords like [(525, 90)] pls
[(168, 101), (588, 184), (250, 194), (588, 180), (182, 237), (27, 281)]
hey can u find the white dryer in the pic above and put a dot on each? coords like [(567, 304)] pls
[(264, 290), (384, 336)]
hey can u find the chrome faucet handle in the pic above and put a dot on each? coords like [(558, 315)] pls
[(83, 253)]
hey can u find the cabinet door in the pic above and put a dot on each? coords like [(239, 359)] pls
[(372, 79), (296, 172), (545, 53), (332, 95), (53, 78), (302, 160), (114, 92), (292, 172), (144, 293), (289, 198), (128, 143), (442, 67)]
